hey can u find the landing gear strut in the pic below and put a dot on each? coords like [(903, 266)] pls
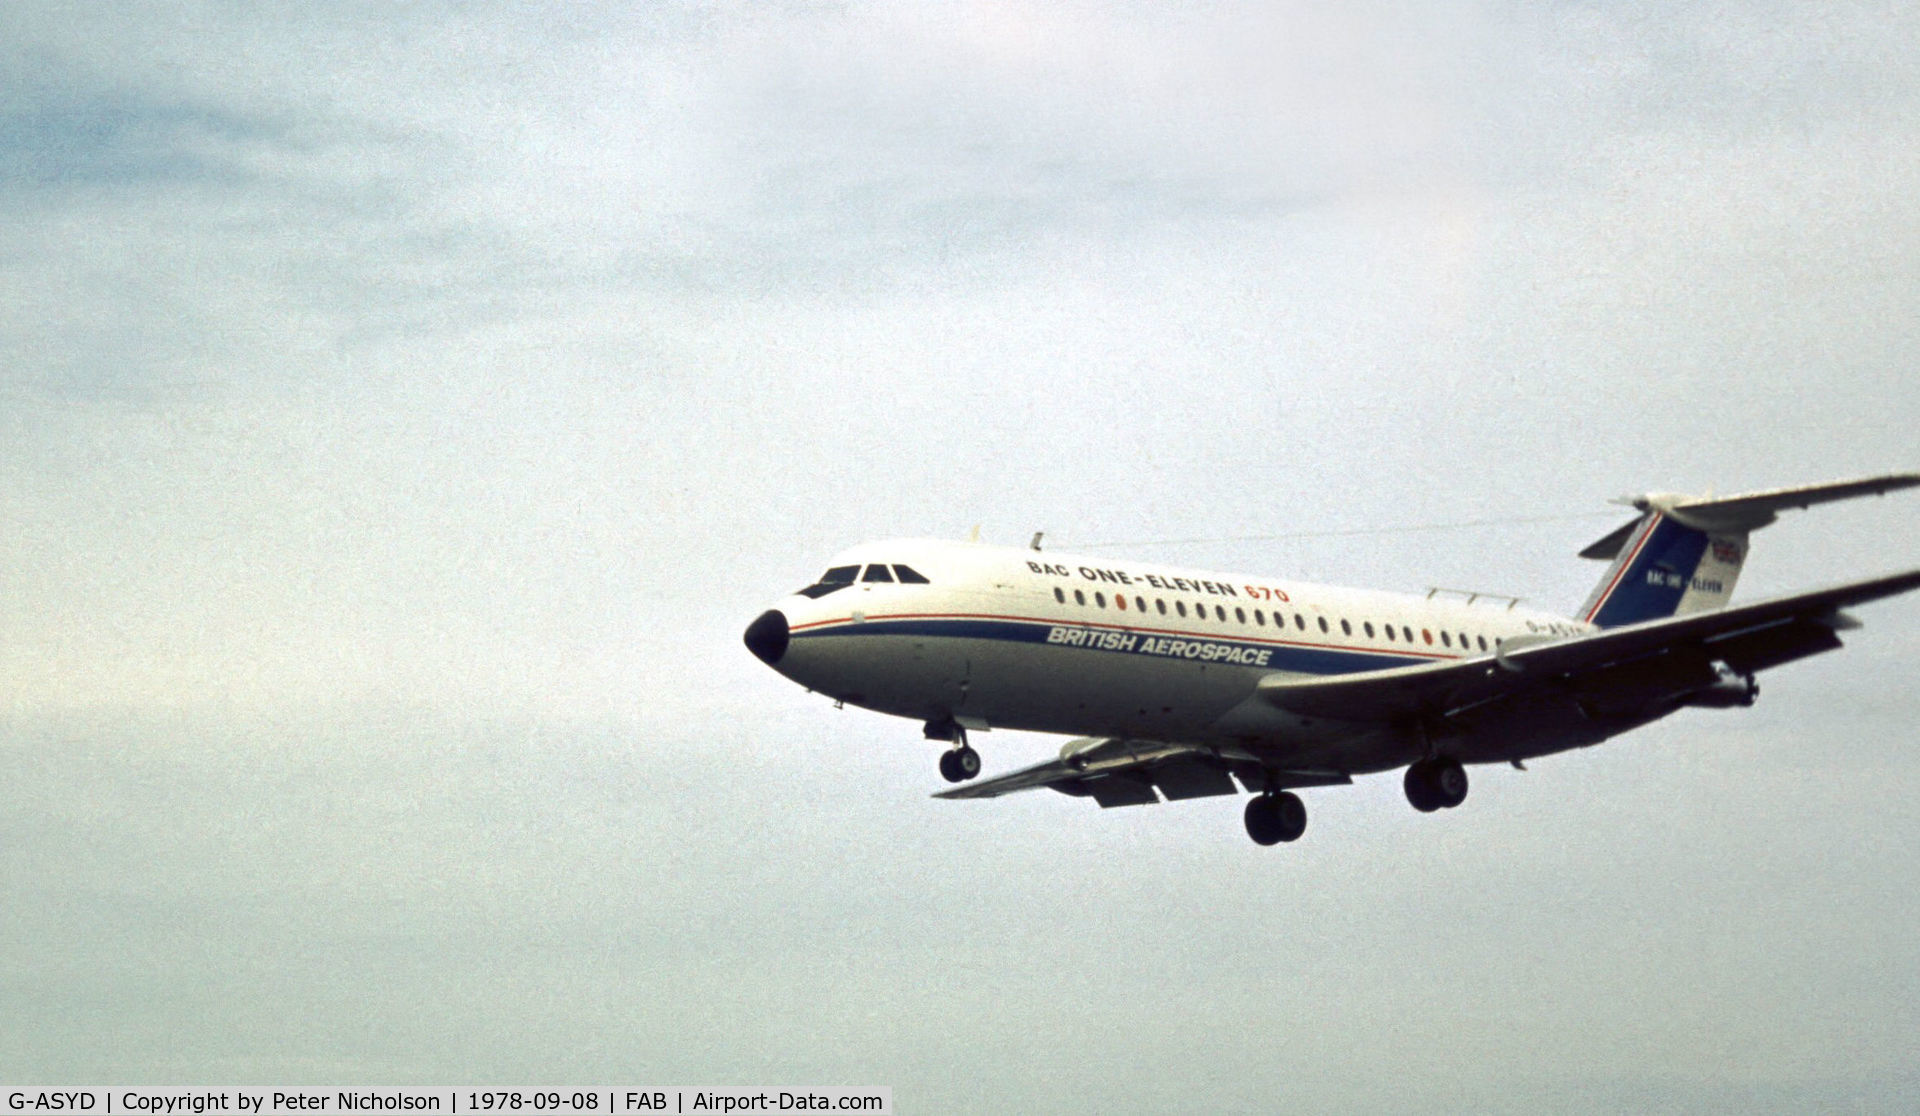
[(959, 763), (1275, 817), (1439, 783)]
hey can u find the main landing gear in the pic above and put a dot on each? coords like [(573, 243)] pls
[(959, 763), (1275, 817), (1438, 783)]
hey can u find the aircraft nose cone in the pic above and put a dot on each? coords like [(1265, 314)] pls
[(767, 636)]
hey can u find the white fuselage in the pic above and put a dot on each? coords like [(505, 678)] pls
[(1022, 639)]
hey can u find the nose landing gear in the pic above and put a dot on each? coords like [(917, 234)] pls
[(961, 762)]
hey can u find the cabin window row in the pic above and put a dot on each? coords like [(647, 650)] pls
[(1402, 634)]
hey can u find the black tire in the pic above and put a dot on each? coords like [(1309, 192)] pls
[(1292, 814), (967, 762), (1263, 822), (950, 767), (1419, 788), (1449, 782), (1273, 818)]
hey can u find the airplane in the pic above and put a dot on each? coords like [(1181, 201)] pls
[(1180, 683)]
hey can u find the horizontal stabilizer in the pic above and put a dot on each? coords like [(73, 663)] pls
[(1746, 512), (1752, 510)]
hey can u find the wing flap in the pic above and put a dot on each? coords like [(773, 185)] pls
[(1193, 777), (1764, 648), (1121, 789)]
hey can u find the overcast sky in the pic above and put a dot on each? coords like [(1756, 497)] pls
[(403, 408)]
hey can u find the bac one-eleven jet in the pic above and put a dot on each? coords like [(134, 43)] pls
[(1182, 684)]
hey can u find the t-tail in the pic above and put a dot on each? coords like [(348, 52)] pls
[(1683, 554)]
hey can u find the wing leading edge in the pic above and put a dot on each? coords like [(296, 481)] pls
[(1141, 772), (1747, 638)]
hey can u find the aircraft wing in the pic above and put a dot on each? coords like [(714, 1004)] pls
[(1747, 638), (1139, 772)]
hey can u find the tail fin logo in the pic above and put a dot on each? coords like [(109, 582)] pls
[(1726, 552)]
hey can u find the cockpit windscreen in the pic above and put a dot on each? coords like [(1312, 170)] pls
[(839, 577)]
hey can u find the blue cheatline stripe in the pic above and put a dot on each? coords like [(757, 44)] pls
[(1123, 641), (1655, 578)]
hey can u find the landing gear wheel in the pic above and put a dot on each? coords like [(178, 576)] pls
[(1436, 784), (1449, 782), (960, 764), (1273, 818), (1418, 793)]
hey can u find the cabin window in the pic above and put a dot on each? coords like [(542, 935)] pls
[(1059, 594), (877, 572), (1323, 623), (1180, 607), (908, 575), (1161, 604), (1300, 621), (1427, 635), (1483, 643), (1120, 602), (1140, 603), (1100, 599), (1446, 639), (1388, 628), (1079, 597), (1260, 617), (1346, 628), (1240, 614), (1368, 628), (1220, 613)]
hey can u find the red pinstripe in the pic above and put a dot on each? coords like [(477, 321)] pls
[(1409, 653), (1645, 534)]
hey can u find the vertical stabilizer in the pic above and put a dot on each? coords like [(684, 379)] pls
[(1664, 568), (1684, 554)]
